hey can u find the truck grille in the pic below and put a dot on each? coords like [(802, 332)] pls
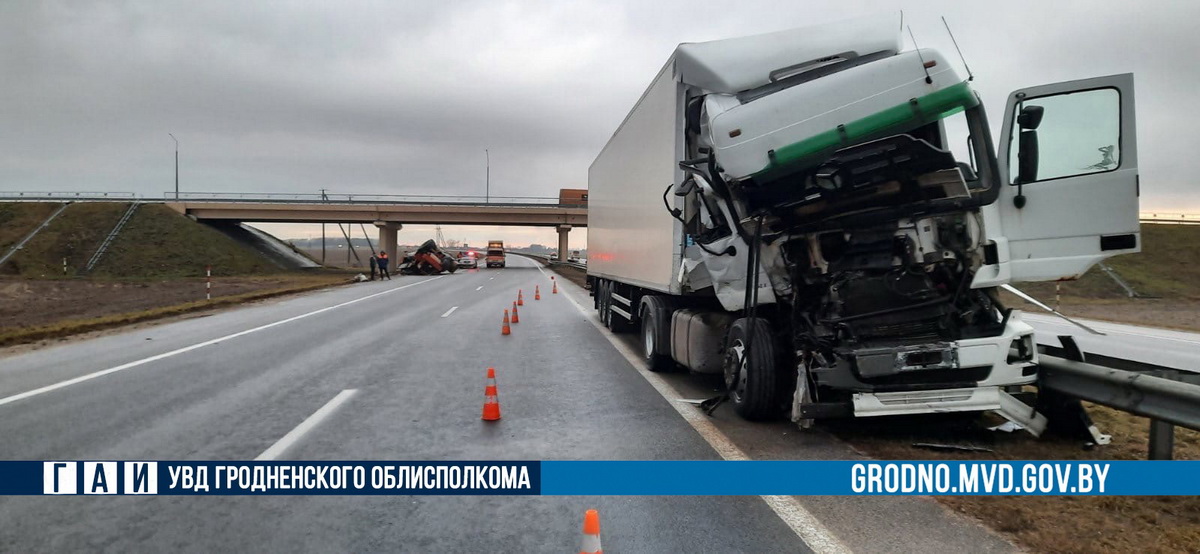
[(915, 330)]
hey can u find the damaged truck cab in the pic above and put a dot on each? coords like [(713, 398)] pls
[(836, 219)]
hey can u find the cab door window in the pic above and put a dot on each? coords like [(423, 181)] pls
[(1071, 134)]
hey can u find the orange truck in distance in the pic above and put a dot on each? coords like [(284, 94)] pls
[(495, 254)]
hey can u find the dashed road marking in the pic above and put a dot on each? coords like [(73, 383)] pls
[(305, 426), (479, 287), (143, 361), (450, 311)]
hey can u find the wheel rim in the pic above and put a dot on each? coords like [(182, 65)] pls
[(648, 336), (735, 370), (604, 313)]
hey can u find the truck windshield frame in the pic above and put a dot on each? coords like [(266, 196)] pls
[(983, 189)]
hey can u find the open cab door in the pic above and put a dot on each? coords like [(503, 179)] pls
[(1069, 182)]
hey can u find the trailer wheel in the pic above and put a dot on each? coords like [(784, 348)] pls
[(655, 314), (603, 301), (616, 322), (752, 380)]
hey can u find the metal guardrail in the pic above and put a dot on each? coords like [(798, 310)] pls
[(548, 261), (291, 198), (75, 196), (336, 198), (1168, 397), (1178, 218)]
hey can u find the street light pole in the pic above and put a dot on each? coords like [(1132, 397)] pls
[(488, 178), (176, 165)]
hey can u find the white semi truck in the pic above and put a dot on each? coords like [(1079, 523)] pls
[(822, 218)]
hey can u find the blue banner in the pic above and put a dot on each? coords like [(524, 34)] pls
[(628, 478)]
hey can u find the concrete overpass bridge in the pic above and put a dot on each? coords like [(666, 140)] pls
[(390, 213)]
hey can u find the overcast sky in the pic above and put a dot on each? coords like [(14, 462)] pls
[(391, 97)]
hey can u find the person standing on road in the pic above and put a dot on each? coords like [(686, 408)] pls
[(372, 264), (383, 266)]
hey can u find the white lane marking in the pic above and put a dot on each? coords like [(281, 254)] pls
[(479, 287), (305, 426), (490, 278), (796, 516), (450, 311), (143, 361), (1115, 328)]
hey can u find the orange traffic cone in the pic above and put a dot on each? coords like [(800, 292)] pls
[(515, 317), (505, 329), (591, 533), (537, 293), (491, 403), (555, 289), (520, 298)]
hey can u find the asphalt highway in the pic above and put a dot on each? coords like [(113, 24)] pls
[(1164, 347), (397, 370)]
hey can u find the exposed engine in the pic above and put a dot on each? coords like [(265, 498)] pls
[(885, 288), (874, 248)]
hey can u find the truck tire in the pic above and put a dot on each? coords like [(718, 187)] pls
[(617, 322), (603, 301), (656, 314), (752, 381)]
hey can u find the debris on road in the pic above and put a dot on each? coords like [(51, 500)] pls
[(1007, 427), (951, 447)]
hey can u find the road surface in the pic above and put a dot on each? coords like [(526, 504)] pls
[(396, 371), (1164, 347)]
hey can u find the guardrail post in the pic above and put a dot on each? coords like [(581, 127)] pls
[(1162, 433), (1162, 440)]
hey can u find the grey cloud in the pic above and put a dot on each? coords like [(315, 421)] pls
[(402, 97)]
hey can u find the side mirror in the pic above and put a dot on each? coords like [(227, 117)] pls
[(1027, 149), (1030, 117), (1027, 157)]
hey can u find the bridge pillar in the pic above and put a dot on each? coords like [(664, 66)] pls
[(387, 239), (563, 230)]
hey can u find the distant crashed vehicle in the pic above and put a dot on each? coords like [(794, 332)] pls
[(428, 260)]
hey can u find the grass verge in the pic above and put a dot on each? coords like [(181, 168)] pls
[(69, 327)]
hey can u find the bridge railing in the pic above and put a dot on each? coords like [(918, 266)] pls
[(63, 196), (346, 198)]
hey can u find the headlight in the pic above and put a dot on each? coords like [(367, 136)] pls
[(1022, 349)]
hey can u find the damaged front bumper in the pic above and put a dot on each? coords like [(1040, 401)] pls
[(979, 399)]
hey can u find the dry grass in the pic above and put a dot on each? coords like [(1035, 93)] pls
[(18, 219), (22, 335), (1055, 523)]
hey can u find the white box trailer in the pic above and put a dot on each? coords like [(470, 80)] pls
[(792, 211), (631, 237)]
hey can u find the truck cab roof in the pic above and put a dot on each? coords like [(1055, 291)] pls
[(737, 64)]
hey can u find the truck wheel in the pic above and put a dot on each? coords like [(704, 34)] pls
[(654, 315), (603, 304), (617, 322), (751, 380)]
